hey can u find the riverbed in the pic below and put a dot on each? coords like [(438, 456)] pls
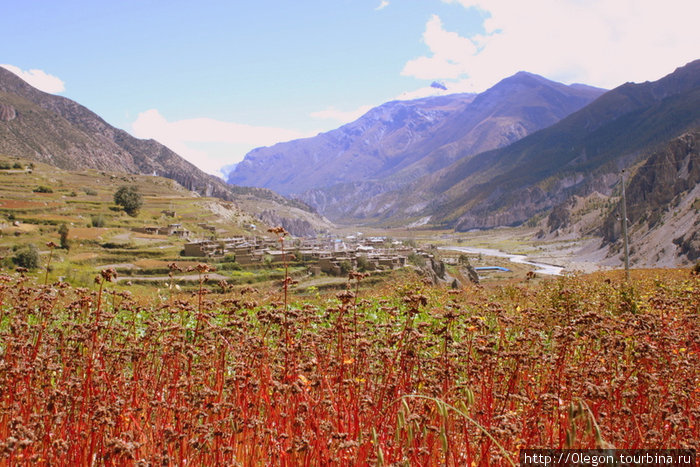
[(540, 268)]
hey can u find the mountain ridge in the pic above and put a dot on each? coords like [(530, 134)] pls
[(61, 132), (113, 149), (341, 171), (372, 141), (662, 204), (578, 154)]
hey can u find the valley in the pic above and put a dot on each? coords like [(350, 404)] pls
[(36, 200), (437, 283)]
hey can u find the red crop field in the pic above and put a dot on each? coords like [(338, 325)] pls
[(22, 204), (410, 374)]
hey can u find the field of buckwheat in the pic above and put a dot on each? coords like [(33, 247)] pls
[(407, 374)]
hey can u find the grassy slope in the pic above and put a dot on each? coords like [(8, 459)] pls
[(79, 196)]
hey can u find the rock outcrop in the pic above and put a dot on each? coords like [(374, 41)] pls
[(7, 112)]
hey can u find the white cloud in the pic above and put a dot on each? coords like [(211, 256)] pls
[(341, 116), (599, 42), (450, 54), (382, 5), (187, 137), (39, 79)]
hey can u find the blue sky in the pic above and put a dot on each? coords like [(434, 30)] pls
[(214, 79)]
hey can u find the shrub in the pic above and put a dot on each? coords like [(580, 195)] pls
[(363, 264), (416, 260), (97, 220), (27, 257), (42, 189), (129, 198), (345, 267), (4, 165), (117, 246), (230, 266), (63, 232), (17, 165), (90, 192)]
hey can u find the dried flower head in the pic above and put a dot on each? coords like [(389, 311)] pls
[(280, 231), (109, 274)]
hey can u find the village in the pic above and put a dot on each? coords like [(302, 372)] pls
[(330, 255)]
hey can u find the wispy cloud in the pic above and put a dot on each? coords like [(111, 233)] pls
[(38, 78), (452, 87), (187, 138), (382, 5), (602, 42)]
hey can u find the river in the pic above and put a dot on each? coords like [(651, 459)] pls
[(541, 268)]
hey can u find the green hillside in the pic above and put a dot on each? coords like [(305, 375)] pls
[(37, 199)]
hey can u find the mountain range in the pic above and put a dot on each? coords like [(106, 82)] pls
[(392, 145), (465, 161), (577, 155), (528, 150)]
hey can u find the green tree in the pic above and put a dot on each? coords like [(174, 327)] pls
[(63, 232), (345, 267), (363, 264), (129, 198), (416, 260), (27, 257)]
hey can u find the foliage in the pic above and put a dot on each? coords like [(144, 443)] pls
[(42, 189), (27, 257), (129, 198), (345, 267), (408, 375), (363, 264), (97, 220), (416, 260), (228, 263), (63, 234)]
